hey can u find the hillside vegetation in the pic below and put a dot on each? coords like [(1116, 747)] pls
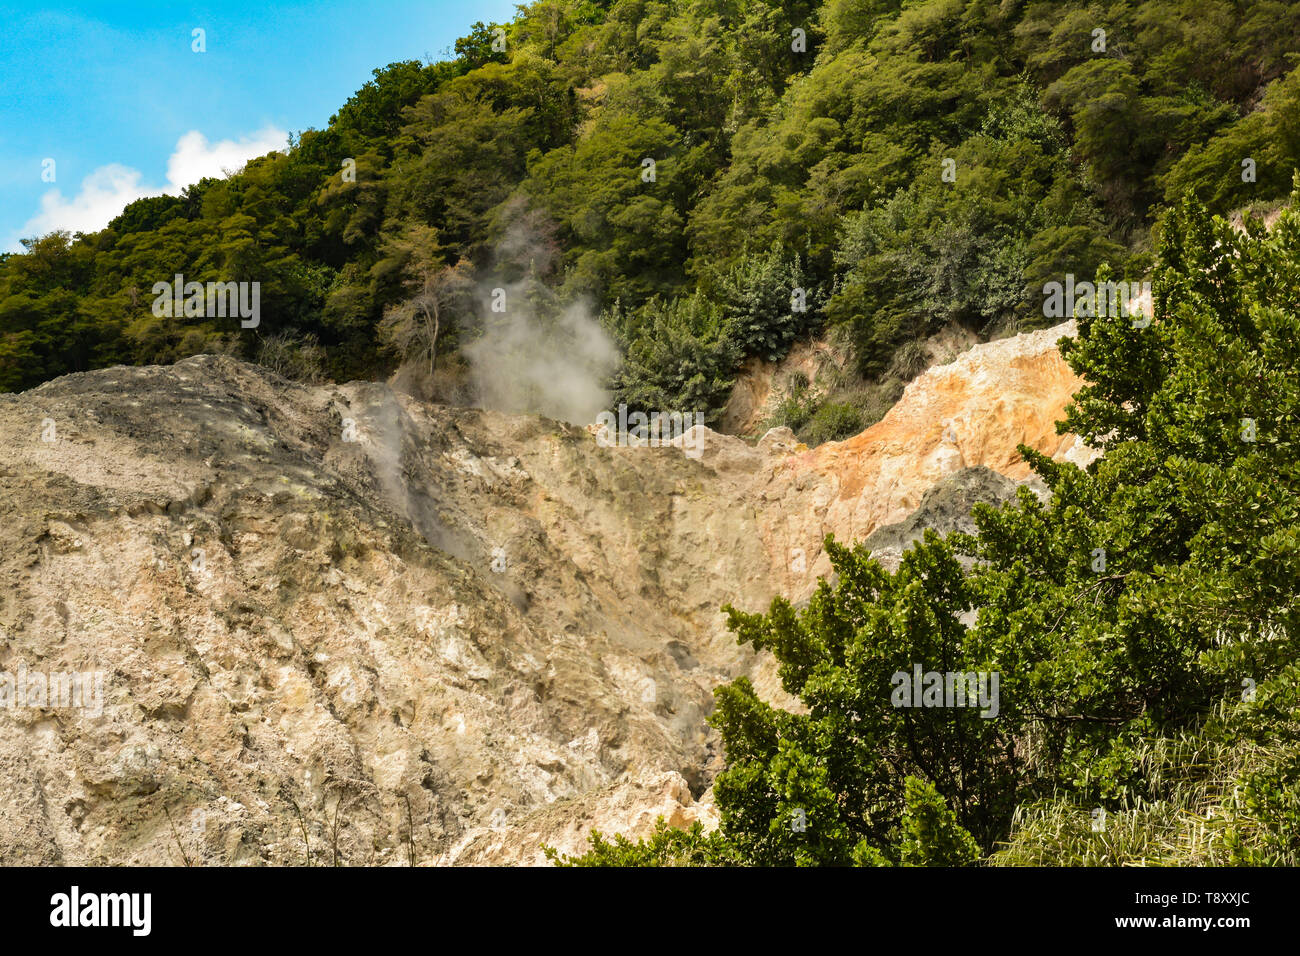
[(902, 165), (710, 182), (1142, 624)]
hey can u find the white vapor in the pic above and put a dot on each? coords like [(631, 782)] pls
[(538, 361), (557, 369), (110, 189)]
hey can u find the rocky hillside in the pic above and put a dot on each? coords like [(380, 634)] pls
[(339, 625)]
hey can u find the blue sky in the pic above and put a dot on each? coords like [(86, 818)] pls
[(114, 94)]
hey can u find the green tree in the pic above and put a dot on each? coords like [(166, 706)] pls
[(1122, 615), (667, 846), (437, 294), (679, 356)]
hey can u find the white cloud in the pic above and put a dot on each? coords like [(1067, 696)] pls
[(103, 195), (196, 158), (109, 189)]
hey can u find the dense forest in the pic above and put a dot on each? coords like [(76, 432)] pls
[(1142, 622), (680, 168), (717, 180)]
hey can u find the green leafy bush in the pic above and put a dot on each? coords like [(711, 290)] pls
[(1122, 618)]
